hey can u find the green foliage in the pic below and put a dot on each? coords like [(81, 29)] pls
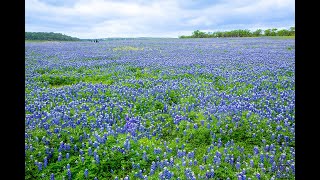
[(267, 32), (257, 32), (173, 97), (242, 33), (49, 36), (127, 48), (59, 80), (158, 105), (199, 137)]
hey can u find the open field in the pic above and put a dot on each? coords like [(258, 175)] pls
[(160, 109)]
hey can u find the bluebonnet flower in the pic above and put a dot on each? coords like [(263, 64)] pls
[(97, 159), (210, 174), (67, 147), (261, 157), (59, 157), (183, 163), (86, 173), (190, 162), (69, 174), (45, 161), (251, 163), (244, 177), (61, 147), (272, 136), (292, 166), (208, 126), (171, 161), (39, 166), (144, 156), (153, 168), (95, 144), (279, 137), (238, 165), (94, 152), (195, 126), (195, 162), (256, 150), (139, 174), (52, 176), (258, 176), (191, 155), (89, 151)]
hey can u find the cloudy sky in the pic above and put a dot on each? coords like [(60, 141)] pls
[(154, 18)]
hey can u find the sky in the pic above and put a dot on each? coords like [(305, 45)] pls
[(87, 19)]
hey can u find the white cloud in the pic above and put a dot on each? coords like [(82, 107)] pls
[(101, 18)]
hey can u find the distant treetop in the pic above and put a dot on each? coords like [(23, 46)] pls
[(242, 33), (49, 36)]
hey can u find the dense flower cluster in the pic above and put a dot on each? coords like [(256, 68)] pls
[(162, 109)]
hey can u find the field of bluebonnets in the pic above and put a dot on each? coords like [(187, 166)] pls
[(160, 109)]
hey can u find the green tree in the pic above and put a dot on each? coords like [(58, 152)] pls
[(198, 34), (48, 36), (292, 31), (267, 32), (283, 32), (257, 32), (274, 32)]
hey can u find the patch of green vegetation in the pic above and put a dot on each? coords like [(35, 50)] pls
[(199, 137), (59, 80), (189, 100), (134, 69), (127, 48), (281, 37), (158, 105), (143, 75), (42, 70), (290, 48), (289, 73), (104, 79), (173, 97)]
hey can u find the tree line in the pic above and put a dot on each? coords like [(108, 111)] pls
[(49, 36), (242, 33)]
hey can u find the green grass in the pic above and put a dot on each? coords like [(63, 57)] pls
[(127, 48), (281, 37)]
